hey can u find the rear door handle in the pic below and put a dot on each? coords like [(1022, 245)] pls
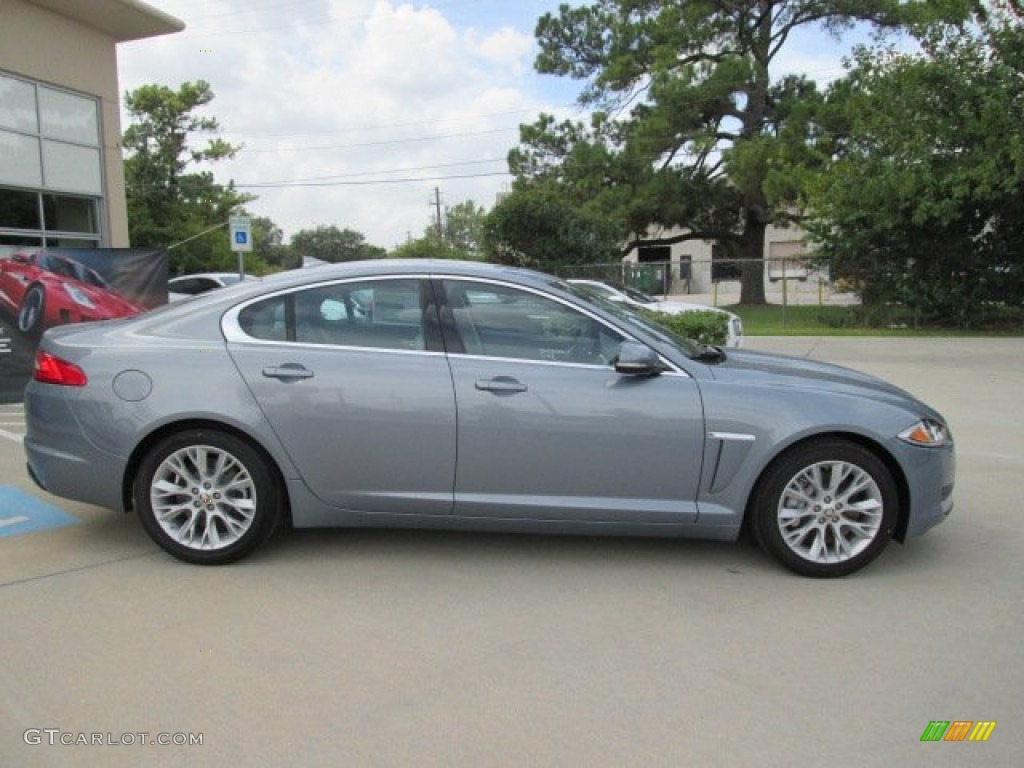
[(287, 371), (501, 384)]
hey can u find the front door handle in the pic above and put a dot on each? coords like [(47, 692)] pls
[(501, 385), (287, 372)]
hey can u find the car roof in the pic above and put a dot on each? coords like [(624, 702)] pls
[(295, 278), (387, 267)]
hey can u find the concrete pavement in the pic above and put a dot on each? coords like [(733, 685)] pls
[(385, 648)]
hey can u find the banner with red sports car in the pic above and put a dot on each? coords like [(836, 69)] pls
[(44, 287)]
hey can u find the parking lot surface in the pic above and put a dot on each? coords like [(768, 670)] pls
[(401, 648)]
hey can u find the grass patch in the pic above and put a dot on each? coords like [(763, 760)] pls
[(814, 320)]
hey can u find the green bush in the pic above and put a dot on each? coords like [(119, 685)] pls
[(706, 326)]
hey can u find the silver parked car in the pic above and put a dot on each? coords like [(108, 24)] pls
[(470, 396)]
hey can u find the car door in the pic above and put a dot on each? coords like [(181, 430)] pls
[(548, 430), (356, 386)]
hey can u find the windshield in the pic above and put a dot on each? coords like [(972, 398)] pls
[(631, 317), (65, 267), (640, 296)]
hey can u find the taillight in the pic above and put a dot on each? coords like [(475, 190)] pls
[(50, 369)]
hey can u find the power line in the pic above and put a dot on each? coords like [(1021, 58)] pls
[(417, 123), (368, 182), (342, 176), (388, 142)]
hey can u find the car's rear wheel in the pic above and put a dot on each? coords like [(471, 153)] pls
[(30, 314), (825, 508), (207, 497)]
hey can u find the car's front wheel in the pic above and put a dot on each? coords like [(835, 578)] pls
[(207, 497), (825, 508), (30, 314)]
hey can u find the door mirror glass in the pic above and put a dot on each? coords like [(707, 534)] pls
[(637, 359)]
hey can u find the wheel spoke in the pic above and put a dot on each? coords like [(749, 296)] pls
[(860, 484)]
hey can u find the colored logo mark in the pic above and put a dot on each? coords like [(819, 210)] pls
[(958, 730)]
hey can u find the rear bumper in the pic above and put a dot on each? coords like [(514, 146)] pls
[(92, 477), (61, 460)]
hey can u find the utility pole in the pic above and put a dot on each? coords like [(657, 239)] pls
[(436, 202)]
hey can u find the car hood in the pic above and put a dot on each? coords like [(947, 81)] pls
[(673, 307), (760, 368)]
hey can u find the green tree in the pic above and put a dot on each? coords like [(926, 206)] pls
[(534, 226), (268, 246), (328, 243), (464, 229), (925, 204), (709, 137), (429, 246), (170, 199), (461, 236)]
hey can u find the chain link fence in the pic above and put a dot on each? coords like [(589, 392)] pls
[(717, 283)]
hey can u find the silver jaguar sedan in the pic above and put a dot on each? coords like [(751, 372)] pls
[(455, 395)]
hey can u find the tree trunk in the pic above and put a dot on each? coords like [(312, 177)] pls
[(752, 253), (755, 205)]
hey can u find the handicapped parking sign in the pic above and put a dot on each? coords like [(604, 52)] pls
[(240, 228)]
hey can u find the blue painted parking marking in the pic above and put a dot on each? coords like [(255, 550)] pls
[(22, 513)]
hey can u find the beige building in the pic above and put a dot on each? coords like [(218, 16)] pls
[(694, 265), (61, 170)]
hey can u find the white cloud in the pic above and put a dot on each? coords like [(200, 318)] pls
[(507, 46), (352, 91)]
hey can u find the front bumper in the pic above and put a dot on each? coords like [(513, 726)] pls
[(931, 476)]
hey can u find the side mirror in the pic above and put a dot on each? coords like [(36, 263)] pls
[(636, 359)]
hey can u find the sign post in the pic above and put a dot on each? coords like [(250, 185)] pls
[(240, 229)]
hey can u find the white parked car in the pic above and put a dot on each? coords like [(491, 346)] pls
[(184, 286), (634, 298)]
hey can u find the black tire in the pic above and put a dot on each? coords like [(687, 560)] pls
[(825, 508), (31, 313), (207, 497)]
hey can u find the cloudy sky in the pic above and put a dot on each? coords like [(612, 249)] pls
[(352, 112)]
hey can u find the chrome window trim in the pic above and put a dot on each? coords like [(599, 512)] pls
[(607, 368), (344, 347)]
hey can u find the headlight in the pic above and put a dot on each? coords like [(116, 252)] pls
[(927, 432), (78, 296)]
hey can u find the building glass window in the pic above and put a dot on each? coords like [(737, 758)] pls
[(62, 213), (72, 168), (19, 210), (68, 117), (19, 105), (19, 159), (51, 178)]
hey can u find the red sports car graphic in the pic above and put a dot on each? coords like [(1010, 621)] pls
[(43, 289)]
